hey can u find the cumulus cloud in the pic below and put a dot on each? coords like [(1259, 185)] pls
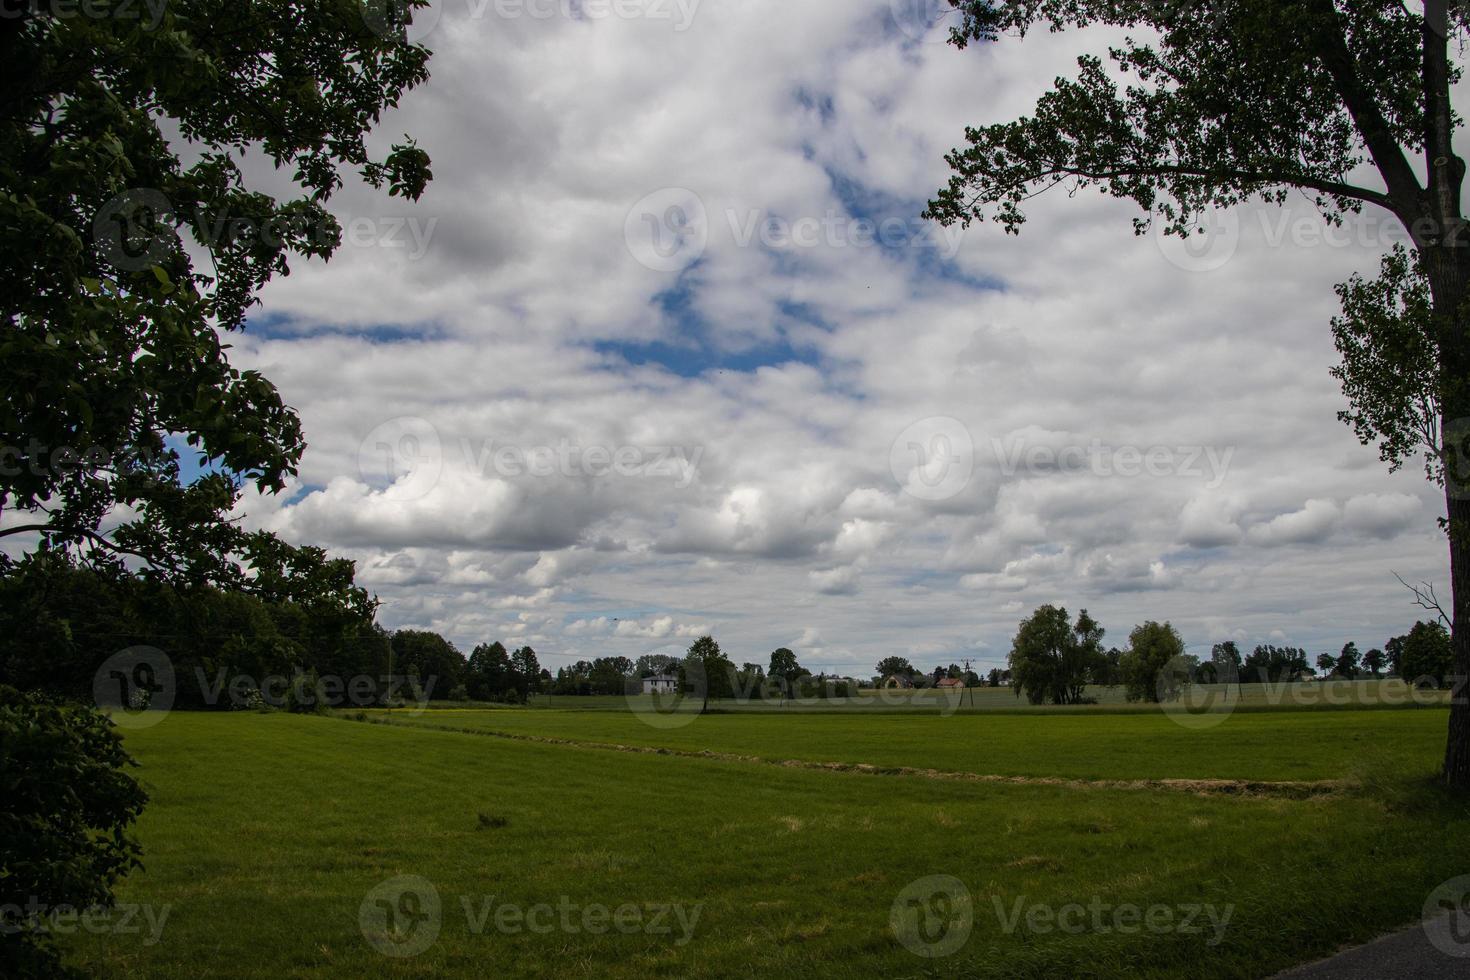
[(521, 431), (1317, 519), (1382, 515)]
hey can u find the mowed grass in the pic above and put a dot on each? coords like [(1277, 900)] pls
[(1333, 693), (266, 832), (1273, 746)]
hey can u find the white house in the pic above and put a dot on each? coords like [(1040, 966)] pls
[(660, 684)]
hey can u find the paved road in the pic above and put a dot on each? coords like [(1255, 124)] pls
[(1406, 955)]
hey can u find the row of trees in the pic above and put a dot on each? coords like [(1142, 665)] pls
[(1055, 659)]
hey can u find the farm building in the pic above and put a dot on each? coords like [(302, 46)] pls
[(660, 684)]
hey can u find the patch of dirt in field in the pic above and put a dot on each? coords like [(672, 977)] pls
[(1296, 790), (1039, 862)]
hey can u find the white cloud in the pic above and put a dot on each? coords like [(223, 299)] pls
[(762, 492), (1317, 519)]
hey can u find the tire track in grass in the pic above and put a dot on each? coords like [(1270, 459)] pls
[(1291, 789)]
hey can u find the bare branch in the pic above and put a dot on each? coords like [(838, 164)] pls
[(1425, 598)]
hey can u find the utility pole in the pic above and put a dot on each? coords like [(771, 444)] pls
[(967, 682)]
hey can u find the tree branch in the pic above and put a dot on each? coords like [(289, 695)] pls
[(1425, 598), (1403, 186)]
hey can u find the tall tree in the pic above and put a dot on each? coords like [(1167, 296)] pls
[(895, 666), (1052, 658), (1374, 661), (527, 671), (121, 131), (489, 671), (1152, 665), (706, 671), (785, 666), (1347, 661), (1217, 102), (1426, 654)]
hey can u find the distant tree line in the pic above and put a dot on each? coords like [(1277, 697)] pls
[(1055, 659)]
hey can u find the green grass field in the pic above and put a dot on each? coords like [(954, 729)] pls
[(268, 833), (1282, 745)]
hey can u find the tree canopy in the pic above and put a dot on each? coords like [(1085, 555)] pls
[(121, 146), (1054, 659)]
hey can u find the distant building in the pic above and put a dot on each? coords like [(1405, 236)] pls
[(897, 680), (950, 682), (660, 684)]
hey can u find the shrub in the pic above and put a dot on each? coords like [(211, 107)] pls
[(67, 804)]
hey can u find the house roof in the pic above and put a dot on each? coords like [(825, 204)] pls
[(950, 682)]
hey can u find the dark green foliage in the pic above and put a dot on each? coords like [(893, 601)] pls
[(706, 672), (1426, 655), (1152, 667), (1052, 659), (67, 803), (784, 665), (1374, 661), (895, 667), (488, 673), (1390, 361), (430, 658), (1272, 664), (111, 340), (60, 621)]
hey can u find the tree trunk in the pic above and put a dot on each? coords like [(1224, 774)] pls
[(1449, 273), (1457, 751)]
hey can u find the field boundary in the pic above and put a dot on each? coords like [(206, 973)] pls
[(1298, 790)]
